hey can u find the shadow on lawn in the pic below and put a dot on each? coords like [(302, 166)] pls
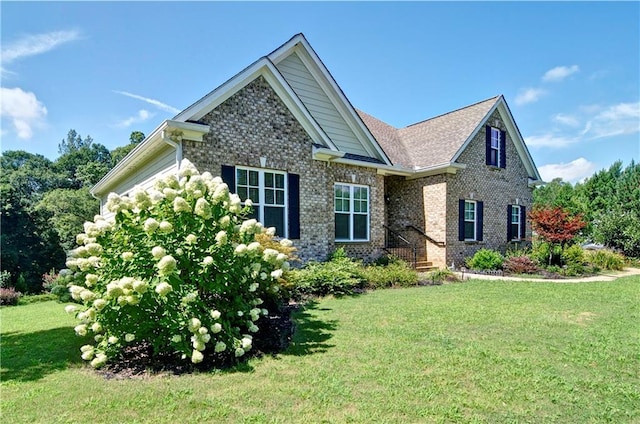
[(32, 356), (310, 333)]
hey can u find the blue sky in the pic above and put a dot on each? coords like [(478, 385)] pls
[(570, 71)]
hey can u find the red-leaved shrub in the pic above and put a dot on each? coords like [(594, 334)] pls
[(520, 265)]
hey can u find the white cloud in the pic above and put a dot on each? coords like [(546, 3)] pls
[(574, 171), (569, 120), (23, 109), (549, 140), (619, 119), (559, 73), (529, 95), (141, 116), (31, 45), (154, 102)]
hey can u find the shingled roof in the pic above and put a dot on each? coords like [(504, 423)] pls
[(431, 142)]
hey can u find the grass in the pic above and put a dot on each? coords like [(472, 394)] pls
[(480, 351)]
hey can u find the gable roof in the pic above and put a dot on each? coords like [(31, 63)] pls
[(438, 142)]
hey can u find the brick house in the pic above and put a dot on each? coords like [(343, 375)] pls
[(282, 133)]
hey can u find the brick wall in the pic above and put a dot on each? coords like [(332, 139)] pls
[(255, 123), (496, 187), (431, 203)]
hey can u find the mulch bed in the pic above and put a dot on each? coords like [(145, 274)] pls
[(137, 361)]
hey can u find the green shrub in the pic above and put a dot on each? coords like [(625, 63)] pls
[(441, 275), (605, 259), (486, 259), (396, 273), (9, 296), (520, 265), (339, 276), (177, 269), (574, 261), (36, 298)]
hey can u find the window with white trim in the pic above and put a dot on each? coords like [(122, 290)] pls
[(515, 222), (268, 192), (470, 220), (351, 207)]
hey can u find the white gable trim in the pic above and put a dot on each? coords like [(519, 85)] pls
[(265, 68), (513, 131), (319, 71)]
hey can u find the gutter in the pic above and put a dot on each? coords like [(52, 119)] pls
[(175, 144)]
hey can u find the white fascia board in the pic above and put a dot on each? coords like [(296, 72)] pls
[(296, 106), (340, 101), (323, 154), (512, 129), (189, 130), (314, 64), (382, 169), (147, 147), (442, 168), (265, 68)]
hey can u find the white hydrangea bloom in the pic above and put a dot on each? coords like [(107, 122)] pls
[(191, 239), (127, 256), (215, 314), (221, 238), (166, 227), (180, 205), (150, 225), (197, 356), (163, 288), (129, 337), (239, 352), (220, 347), (158, 252), (203, 208), (167, 265), (216, 328)]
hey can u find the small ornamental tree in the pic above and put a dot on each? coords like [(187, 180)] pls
[(555, 225), (178, 268)]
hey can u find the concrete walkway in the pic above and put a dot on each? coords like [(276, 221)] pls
[(608, 276)]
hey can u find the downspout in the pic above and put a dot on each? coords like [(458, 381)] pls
[(175, 144)]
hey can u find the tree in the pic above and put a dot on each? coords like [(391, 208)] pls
[(555, 226), (67, 210), (119, 153), (82, 161)]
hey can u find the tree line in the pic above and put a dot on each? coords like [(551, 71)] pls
[(44, 204), (608, 202)]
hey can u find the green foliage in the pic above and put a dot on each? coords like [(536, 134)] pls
[(485, 259), (178, 269), (67, 210), (37, 298), (441, 275), (9, 297), (573, 258), (339, 276), (520, 264), (605, 259), (396, 273)]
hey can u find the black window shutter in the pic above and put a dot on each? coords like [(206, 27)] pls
[(229, 177), (294, 205), (509, 212), (488, 145), (523, 222), (503, 149), (461, 219), (479, 220)]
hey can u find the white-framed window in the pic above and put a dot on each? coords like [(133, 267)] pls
[(351, 207), (494, 151), (267, 190), (470, 222), (515, 222)]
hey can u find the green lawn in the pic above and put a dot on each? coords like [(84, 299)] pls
[(477, 351)]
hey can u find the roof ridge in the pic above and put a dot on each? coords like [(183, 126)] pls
[(452, 111)]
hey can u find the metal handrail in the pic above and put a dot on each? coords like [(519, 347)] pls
[(425, 235)]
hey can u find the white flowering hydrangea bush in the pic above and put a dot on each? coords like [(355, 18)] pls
[(178, 268)]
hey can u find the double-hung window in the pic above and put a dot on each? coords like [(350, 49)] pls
[(470, 220), (516, 222), (268, 191), (496, 145), (351, 208)]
